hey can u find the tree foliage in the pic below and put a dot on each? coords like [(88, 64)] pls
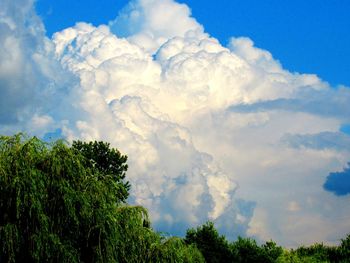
[(213, 246), (108, 161), (66, 204), (61, 203)]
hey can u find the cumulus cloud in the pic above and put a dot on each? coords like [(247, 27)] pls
[(17, 66), (128, 102), (30, 77), (212, 132), (150, 23)]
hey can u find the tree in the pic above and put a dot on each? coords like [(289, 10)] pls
[(54, 206), (271, 251), (344, 249), (108, 161), (67, 204), (247, 250), (213, 246)]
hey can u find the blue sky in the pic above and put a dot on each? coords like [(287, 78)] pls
[(213, 130), (305, 36)]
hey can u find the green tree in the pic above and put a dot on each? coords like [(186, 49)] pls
[(247, 250), (293, 257), (54, 206), (60, 204), (174, 249), (344, 249), (271, 251), (108, 161), (214, 247)]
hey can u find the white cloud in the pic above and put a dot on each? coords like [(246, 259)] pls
[(205, 126), (31, 80), (150, 23), (16, 65)]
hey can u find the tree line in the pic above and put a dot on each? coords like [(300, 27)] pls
[(67, 203)]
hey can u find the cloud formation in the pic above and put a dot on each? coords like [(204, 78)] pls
[(18, 51), (212, 132), (31, 79), (151, 23)]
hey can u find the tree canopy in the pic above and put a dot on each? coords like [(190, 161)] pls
[(107, 161), (67, 203)]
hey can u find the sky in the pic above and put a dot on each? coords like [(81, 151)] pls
[(236, 113), (305, 36)]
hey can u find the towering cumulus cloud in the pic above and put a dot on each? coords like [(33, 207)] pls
[(212, 132), (151, 23)]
